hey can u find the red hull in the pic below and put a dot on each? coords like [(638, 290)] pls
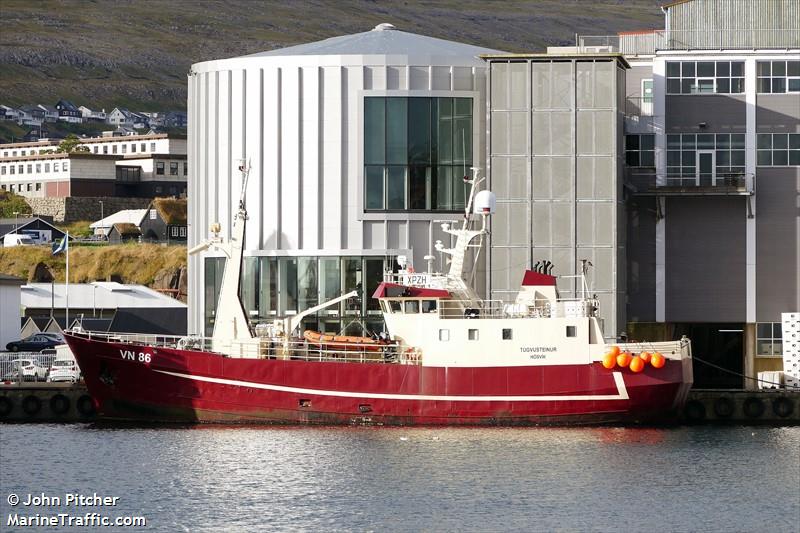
[(190, 386)]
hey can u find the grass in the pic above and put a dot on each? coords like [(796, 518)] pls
[(10, 203), (78, 228), (133, 263)]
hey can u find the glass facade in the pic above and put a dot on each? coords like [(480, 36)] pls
[(778, 149), (640, 150), (276, 287), (769, 339), (778, 76), (687, 154), (416, 153)]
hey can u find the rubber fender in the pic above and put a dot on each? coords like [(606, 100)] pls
[(694, 411), (753, 407), (85, 406), (59, 404), (31, 405), (782, 407), (723, 407), (6, 405)]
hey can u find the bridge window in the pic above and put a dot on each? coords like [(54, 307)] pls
[(428, 306), (395, 306), (507, 334), (472, 334), (572, 331), (412, 306)]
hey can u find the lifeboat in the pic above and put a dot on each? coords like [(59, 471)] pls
[(344, 342)]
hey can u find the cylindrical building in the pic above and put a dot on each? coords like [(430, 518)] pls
[(357, 145)]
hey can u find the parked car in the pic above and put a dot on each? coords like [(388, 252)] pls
[(35, 343), (64, 367), (25, 370), (17, 239)]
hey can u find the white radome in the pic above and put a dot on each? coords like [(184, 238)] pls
[(485, 203)]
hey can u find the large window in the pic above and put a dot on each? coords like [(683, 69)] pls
[(778, 149), (416, 153), (640, 150), (704, 158), (778, 76), (769, 339), (284, 286), (705, 77)]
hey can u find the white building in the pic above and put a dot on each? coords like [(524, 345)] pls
[(125, 216), (357, 144), (9, 308)]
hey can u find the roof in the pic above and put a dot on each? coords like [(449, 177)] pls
[(161, 321), (39, 321), (388, 290), (10, 225), (532, 278), (126, 229), (555, 56), (172, 210), (93, 324), (129, 216), (384, 39), (674, 3), (96, 295), (5, 279)]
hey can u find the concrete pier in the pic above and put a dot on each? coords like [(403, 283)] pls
[(46, 402)]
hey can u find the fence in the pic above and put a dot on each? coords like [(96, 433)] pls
[(26, 366)]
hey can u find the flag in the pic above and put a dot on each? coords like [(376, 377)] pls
[(62, 246)]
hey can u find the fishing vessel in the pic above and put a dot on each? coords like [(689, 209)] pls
[(447, 356)]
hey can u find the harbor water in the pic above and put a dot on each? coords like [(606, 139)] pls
[(213, 478)]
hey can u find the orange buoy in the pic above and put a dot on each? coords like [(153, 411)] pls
[(624, 359), (609, 361), (658, 360), (614, 351), (637, 364), (645, 356)]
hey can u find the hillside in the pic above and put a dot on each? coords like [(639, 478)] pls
[(146, 264), (136, 53)]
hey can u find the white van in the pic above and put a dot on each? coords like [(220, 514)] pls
[(17, 239), (64, 367)]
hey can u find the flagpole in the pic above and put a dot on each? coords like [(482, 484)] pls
[(66, 284)]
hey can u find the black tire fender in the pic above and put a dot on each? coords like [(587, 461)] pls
[(753, 407), (31, 405), (723, 407), (6, 405), (59, 404), (85, 406), (694, 411), (782, 407)]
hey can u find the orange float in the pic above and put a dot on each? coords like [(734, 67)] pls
[(658, 360), (636, 364), (614, 351), (609, 361), (645, 356), (624, 359)]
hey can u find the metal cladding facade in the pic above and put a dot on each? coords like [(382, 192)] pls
[(297, 115)]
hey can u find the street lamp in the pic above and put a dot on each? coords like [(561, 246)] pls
[(102, 217), (15, 221)]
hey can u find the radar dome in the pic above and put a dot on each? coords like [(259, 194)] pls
[(485, 203)]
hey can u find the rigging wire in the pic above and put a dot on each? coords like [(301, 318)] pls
[(780, 385)]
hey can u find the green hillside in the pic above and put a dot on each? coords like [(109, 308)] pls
[(136, 53)]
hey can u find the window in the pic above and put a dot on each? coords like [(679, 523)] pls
[(507, 334), (38, 186), (683, 149), (395, 306), (769, 339), (173, 231), (778, 76), (3, 170), (28, 187), (133, 147), (142, 147), (11, 169), (173, 168), (23, 152), (38, 168), (114, 149), (416, 151), (182, 231), (444, 335), (95, 149), (640, 150), (411, 307), (105, 149), (572, 331), (153, 214), (428, 306), (124, 149), (152, 147), (30, 169), (14, 153), (47, 167), (64, 166), (778, 149), (159, 189), (472, 334), (185, 168), (160, 168), (705, 77)]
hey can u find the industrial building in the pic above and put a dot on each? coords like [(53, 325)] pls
[(668, 159)]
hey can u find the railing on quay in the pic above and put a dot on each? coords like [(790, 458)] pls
[(11, 371)]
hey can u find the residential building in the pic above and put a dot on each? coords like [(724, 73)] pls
[(92, 116), (165, 221), (40, 229), (54, 114), (122, 232)]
